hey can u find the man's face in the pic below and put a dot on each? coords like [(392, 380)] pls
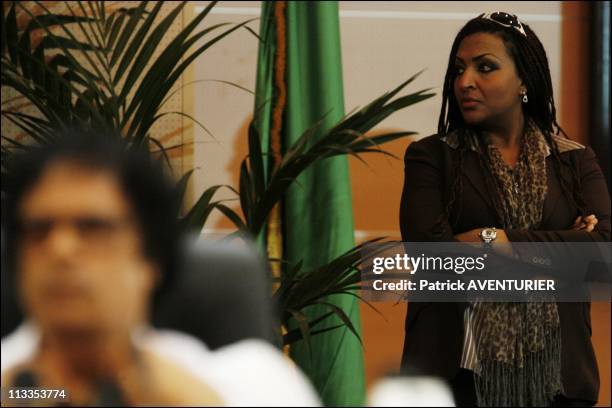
[(80, 259), (487, 86)]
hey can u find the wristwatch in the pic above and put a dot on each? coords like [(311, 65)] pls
[(488, 235)]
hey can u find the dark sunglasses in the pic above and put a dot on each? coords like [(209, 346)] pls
[(506, 20)]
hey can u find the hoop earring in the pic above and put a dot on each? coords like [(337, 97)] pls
[(525, 98)]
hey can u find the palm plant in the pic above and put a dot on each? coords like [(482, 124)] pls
[(258, 195), (108, 78)]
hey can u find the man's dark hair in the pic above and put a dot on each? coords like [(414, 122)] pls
[(531, 62), (142, 177)]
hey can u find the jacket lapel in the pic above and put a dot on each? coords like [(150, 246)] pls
[(553, 193), (473, 173)]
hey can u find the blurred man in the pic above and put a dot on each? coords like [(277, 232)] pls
[(91, 236), (90, 230)]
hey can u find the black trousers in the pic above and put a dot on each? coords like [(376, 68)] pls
[(464, 392)]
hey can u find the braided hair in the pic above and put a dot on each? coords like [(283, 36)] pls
[(531, 63)]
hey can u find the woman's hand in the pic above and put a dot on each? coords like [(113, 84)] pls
[(585, 223), (469, 236)]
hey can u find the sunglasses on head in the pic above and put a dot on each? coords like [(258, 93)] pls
[(506, 20)]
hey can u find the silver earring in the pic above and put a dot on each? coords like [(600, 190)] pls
[(525, 98)]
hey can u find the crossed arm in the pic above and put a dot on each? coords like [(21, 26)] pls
[(581, 223)]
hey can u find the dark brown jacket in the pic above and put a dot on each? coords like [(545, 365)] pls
[(434, 331)]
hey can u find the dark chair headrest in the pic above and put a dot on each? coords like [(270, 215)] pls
[(222, 295)]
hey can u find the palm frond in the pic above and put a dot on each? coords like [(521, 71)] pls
[(346, 137)]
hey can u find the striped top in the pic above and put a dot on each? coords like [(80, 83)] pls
[(469, 358)]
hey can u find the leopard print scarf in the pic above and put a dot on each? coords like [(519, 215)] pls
[(519, 344)]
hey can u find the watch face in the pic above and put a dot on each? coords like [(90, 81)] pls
[(488, 234)]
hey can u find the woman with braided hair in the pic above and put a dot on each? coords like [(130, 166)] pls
[(501, 169)]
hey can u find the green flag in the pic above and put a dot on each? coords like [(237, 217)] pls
[(317, 217)]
